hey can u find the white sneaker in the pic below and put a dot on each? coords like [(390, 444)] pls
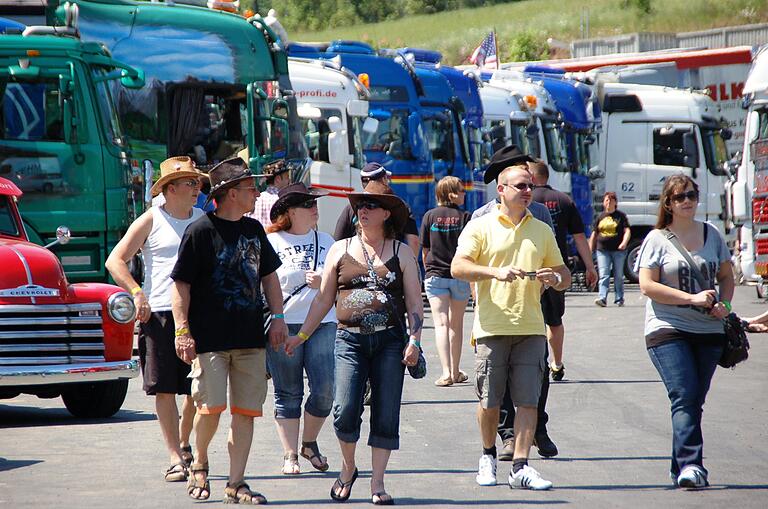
[(692, 476), (528, 478), (486, 471)]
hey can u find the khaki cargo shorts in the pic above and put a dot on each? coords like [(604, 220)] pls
[(246, 371), (514, 362)]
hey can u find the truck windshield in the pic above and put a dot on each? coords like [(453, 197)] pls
[(8, 224), (106, 109), (583, 153), (30, 110), (556, 155), (439, 131), (391, 136), (356, 141), (522, 140), (715, 151)]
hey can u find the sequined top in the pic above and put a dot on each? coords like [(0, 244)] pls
[(361, 303)]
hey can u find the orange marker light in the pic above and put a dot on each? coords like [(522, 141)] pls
[(364, 79), (33, 53), (531, 101)]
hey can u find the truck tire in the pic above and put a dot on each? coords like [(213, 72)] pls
[(95, 400), (633, 250)]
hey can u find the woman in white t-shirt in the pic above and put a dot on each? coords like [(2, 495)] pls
[(302, 251), (684, 331)]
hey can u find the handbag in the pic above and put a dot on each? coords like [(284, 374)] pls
[(296, 291), (418, 370), (736, 347)]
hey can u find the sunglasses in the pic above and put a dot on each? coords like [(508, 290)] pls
[(680, 197), (307, 204), (368, 205), (523, 186), (189, 183)]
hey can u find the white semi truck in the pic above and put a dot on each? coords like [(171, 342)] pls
[(650, 133), (333, 107)]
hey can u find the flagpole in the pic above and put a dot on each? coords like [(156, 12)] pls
[(498, 53)]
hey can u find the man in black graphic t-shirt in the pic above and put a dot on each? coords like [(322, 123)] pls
[(223, 260)]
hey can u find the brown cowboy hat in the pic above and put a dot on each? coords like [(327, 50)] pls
[(175, 168), (502, 159), (293, 195), (227, 174), (381, 193)]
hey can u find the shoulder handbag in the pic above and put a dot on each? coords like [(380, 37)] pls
[(419, 370), (268, 312), (736, 348)]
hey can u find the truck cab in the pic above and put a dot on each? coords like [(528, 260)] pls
[(551, 143), (506, 121), (650, 133), (57, 338), (62, 143), (333, 107), (749, 191)]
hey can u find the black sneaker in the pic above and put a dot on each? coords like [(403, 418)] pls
[(508, 451), (547, 448), (557, 373)]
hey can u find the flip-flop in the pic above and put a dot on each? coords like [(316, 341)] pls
[(444, 381), (381, 500), (340, 485), (461, 378)]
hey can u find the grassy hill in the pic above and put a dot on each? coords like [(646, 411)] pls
[(457, 33)]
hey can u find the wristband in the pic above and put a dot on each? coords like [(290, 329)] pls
[(276, 316), (727, 305), (414, 342), (182, 332), (303, 335), (136, 290)]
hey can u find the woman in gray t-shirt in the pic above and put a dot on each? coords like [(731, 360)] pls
[(683, 321)]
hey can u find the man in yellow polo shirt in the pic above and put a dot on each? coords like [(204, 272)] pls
[(512, 257)]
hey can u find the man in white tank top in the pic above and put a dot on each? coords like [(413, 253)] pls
[(157, 234)]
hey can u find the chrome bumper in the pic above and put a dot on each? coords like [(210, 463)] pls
[(67, 373)]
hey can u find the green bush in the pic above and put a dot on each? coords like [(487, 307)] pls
[(524, 46)]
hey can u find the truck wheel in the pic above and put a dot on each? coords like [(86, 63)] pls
[(96, 400), (633, 250)]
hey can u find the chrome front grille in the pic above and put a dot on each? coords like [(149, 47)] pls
[(36, 335)]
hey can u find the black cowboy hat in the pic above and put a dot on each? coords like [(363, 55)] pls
[(227, 174), (381, 193), (293, 195), (504, 158)]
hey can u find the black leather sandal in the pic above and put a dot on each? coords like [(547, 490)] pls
[(315, 450), (340, 485)]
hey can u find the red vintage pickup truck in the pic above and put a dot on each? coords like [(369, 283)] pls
[(56, 338)]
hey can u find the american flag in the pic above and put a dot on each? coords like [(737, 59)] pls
[(485, 54)]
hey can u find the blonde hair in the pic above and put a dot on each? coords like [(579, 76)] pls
[(447, 187)]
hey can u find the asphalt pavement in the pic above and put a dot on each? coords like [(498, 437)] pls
[(609, 418)]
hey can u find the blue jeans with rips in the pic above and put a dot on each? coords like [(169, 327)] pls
[(611, 262), (686, 368), (376, 357), (314, 356)]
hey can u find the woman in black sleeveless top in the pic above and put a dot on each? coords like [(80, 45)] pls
[(375, 282)]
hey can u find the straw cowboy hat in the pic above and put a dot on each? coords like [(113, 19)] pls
[(293, 195), (504, 158), (176, 168), (381, 193), (227, 174)]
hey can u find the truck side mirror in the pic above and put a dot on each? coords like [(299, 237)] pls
[(63, 236), (690, 150), (69, 120), (357, 108), (132, 80), (753, 126), (149, 173), (338, 152), (371, 125), (740, 202)]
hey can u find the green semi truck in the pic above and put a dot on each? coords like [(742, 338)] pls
[(62, 144)]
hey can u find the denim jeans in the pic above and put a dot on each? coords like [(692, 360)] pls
[(686, 368), (376, 357), (314, 356), (607, 262)]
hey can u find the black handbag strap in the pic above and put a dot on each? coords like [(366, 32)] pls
[(672, 238)]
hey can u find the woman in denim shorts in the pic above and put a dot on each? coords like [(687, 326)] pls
[(374, 280), (302, 251), (448, 297)]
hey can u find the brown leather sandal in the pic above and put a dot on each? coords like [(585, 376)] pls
[(315, 455), (177, 472), (194, 484), (234, 495)]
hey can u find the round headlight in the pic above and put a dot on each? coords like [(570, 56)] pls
[(121, 308)]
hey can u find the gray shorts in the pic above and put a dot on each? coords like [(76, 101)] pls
[(517, 362)]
